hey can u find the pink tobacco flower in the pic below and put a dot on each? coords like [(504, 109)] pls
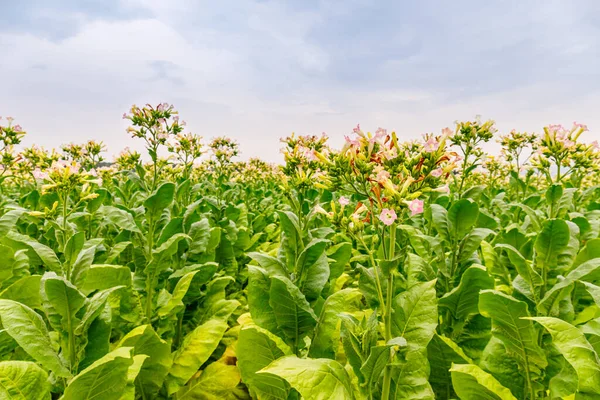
[(437, 172), (415, 206), (388, 216), (344, 201), (431, 145)]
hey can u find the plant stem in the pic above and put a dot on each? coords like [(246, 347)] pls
[(387, 317)]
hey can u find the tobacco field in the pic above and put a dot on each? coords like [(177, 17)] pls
[(384, 269)]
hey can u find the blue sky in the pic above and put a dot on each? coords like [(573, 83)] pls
[(258, 70)]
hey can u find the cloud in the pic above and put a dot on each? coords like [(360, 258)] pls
[(258, 70)]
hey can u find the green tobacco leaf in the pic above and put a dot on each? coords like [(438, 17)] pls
[(326, 335), (312, 269), (463, 300), (572, 344), (28, 329), (551, 241), (162, 255), (442, 352), (291, 238), (196, 348), (44, 253), (439, 217), (313, 378), (256, 349), (496, 360), (105, 379), (73, 247), (339, 256), (292, 311), (272, 265), (61, 301), (472, 383), (175, 303), (118, 217), (101, 277), (462, 216), (471, 243), (155, 368), (26, 291), (415, 319), (518, 334), (259, 286), (159, 200), (589, 251), (23, 380), (9, 220), (216, 382)]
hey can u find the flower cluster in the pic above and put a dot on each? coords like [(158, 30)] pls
[(10, 134), (154, 124), (88, 155), (187, 148), (517, 148), (560, 154), (127, 159), (388, 177)]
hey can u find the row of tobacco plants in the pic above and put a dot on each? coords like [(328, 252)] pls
[(383, 270)]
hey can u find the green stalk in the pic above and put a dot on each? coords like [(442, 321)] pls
[(387, 317)]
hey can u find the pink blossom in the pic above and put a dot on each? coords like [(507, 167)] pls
[(582, 126), (183, 123), (447, 132), (38, 174), (595, 145), (10, 119), (431, 145), (382, 175), (17, 128), (357, 129), (415, 206), (344, 201), (124, 115), (388, 216), (352, 142), (437, 172)]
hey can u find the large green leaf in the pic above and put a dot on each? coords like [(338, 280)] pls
[(217, 381), (45, 254), (415, 319), (571, 342), (472, 383), (105, 379), (442, 352), (259, 286), (326, 335), (100, 277), (313, 378), (23, 380), (197, 346), (551, 241), (312, 269), (462, 216), (463, 299), (118, 217), (256, 349), (439, 216), (518, 334), (61, 301), (26, 291), (292, 311), (28, 329), (175, 303), (155, 368), (159, 200), (291, 238), (9, 220)]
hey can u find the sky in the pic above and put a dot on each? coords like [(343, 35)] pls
[(258, 70)]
